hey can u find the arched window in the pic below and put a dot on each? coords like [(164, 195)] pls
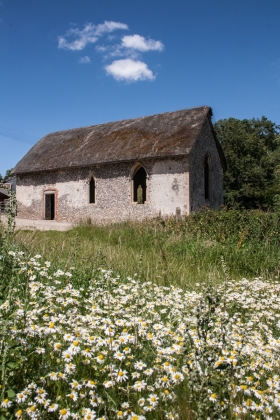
[(92, 190), (140, 186), (207, 177)]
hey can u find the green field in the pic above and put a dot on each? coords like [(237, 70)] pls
[(169, 251)]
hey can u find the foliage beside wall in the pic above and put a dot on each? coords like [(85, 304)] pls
[(252, 151)]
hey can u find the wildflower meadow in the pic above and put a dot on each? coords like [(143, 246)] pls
[(116, 347)]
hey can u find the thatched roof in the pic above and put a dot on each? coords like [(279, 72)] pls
[(156, 136)]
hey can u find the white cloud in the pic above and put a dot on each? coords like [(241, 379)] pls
[(129, 70), (109, 26), (116, 50), (85, 59), (101, 48), (127, 64), (138, 42), (81, 38), (76, 39), (130, 47)]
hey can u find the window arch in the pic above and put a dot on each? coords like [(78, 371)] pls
[(207, 176), (139, 184), (92, 189)]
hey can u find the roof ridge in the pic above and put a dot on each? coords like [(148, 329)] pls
[(173, 132), (127, 119)]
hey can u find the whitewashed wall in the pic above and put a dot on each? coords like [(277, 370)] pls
[(167, 189), (169, 186)]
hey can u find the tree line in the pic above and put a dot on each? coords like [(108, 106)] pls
[(252, 151), (6, 176)]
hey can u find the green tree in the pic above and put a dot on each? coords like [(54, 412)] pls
[(8, 174), (252, 151)]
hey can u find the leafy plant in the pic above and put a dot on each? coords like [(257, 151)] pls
[(252, 151)]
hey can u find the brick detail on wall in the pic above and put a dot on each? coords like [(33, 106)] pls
[(55, 191)]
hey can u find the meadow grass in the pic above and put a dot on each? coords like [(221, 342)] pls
[(121, 348), (169, 251), (80, 340)]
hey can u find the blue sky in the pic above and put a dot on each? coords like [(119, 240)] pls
[(75, 63)]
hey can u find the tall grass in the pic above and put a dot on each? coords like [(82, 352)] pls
[(169, 251), (121, 348), (84, 343)]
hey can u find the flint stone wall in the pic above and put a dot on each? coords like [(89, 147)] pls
[(205, 144), (167, 190)]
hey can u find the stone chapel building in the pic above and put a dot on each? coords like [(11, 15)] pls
[(165, 164)]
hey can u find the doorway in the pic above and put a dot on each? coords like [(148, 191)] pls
[(49, 206)]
